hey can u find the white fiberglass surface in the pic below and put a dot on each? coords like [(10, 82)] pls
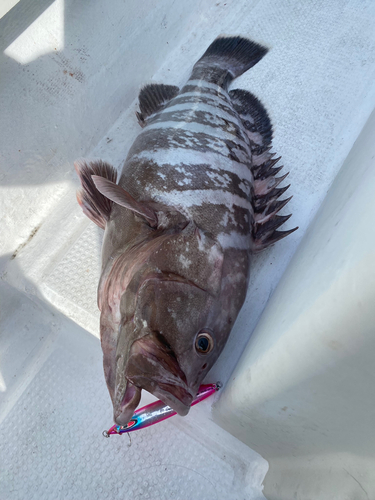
[(71, 72), (55, 407)]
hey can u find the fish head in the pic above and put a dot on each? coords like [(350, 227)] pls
[(175, 320), (176, 344)]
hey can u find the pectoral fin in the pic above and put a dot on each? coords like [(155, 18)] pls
[(118, 195)]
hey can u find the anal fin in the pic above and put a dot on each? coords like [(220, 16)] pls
[(152, 99), (94, 205), (117, 194)]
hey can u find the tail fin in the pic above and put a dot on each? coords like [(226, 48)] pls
[(232, 54)]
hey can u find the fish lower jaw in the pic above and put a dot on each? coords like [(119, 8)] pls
[(175, 395), (176, 405)]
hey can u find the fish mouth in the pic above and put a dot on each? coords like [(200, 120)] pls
[(153, 366)]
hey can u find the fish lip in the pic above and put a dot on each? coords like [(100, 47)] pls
[(153, 366), (172, 396), (175, 396)]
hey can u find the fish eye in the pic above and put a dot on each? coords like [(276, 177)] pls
[(204, 342)]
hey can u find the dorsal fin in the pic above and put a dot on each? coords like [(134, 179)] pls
[(94, 205), (270, 238), (152, 99), (118, 195), (266, 222), (265, 186), (254, 118)]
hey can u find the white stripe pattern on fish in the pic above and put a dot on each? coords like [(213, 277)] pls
[(196, 129), (184, 156), (183, 144)]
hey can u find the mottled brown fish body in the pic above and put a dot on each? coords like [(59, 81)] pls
[(196, 196)]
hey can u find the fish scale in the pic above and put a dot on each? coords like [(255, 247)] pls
[(196, 197), (229, 198)]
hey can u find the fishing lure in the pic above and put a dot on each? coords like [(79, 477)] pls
[(157, 412)]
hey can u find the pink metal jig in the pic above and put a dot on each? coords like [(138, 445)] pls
[(157, 412)]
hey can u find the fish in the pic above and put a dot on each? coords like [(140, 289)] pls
[(197, 196)]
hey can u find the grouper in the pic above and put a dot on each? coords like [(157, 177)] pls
[(197, 196)]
